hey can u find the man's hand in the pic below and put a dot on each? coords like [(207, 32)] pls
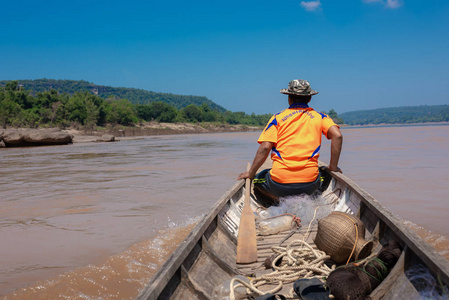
[(261, 156), (245, 175), (334, 169)]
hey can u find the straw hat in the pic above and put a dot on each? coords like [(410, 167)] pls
[(299, 87)]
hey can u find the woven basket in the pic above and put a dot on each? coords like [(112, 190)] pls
[(338, 233)]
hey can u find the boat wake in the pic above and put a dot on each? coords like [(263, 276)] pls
[(121, 276), (439, 242)]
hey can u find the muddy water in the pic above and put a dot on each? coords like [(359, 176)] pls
[(95, 220)]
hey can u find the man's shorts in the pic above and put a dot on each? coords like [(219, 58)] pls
[(265, 187)]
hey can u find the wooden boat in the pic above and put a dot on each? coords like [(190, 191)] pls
[(207, 257)]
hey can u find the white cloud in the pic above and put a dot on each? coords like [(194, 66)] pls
[(387, 3), (394, 3), (311, 5)]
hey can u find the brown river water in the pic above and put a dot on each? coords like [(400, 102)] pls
[(95, 220)]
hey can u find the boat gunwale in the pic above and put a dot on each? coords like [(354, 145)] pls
[(160, 279)]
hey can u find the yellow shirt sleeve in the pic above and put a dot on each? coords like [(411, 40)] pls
[(270, 133), (328, 123)]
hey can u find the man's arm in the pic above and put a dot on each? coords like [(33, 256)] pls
[(259, 159), (334, 134)]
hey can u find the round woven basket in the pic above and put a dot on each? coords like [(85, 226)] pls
[(337, 235)]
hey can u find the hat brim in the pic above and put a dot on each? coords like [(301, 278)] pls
[(287, 92)]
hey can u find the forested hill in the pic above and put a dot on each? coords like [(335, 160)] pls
[(398, 115), (136, 96)]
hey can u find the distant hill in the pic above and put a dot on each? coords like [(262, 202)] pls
[(136, 96), (398, 115)]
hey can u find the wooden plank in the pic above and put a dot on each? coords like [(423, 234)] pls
[(193, 286), (226, 232), (207, 273), (207, 248)]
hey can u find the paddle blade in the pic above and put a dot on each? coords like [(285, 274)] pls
[(246, 240)]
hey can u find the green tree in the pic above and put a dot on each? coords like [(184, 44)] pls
[(144, 112), (238, 117), (46, 99), (120, 112), (208, 114), (59, 111), (76, 108), (12, 85), (163, 112), (334, 116), (192, 113), (169, 115), (10, 113), (31, 118), (92, 114)]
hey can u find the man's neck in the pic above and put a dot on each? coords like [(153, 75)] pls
[(299, 105)]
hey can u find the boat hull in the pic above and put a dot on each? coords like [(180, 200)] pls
[(207, 257)]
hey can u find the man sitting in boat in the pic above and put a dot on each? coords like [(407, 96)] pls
[(294, 138)]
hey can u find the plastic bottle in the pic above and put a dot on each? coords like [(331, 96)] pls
[(223, 291), (275, 225)]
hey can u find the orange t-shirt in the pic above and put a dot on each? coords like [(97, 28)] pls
[(296, 134)]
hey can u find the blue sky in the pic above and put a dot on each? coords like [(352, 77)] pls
[(359, 54)]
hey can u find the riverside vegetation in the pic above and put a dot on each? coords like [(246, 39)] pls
[(398, 115), (20, 107), (80, 104)]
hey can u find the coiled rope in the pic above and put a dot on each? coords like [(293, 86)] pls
[(302, 262)]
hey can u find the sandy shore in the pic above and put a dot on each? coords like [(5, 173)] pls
[(154, 128)]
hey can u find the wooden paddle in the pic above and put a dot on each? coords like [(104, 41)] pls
[(246, 240)]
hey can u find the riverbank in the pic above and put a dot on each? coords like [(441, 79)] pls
[(154, 128), (394, 125)]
